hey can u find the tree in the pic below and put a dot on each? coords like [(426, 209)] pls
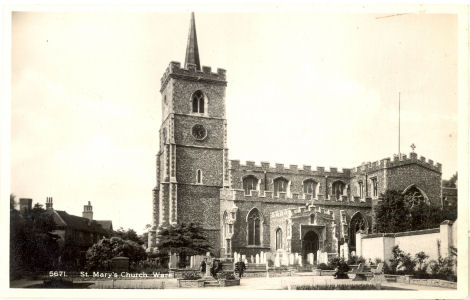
[(391, 213), (452, 182), (32, 245), (395, 214), (183, 239), (98, 256), (128, 234), (12, 202)]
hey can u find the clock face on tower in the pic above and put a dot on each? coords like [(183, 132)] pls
[(199, 132)]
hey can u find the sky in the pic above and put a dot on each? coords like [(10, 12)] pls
[(304, 87)]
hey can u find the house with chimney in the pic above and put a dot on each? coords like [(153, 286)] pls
[(76, 234)]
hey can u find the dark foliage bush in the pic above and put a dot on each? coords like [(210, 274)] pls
[(394, 214), (355, 260), (340, 266), (98, 256), (33, 248), (442, 268), (191, 276), (403, 264), (226, 276)]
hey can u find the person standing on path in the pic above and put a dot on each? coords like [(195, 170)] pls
[(240, 268), (202, 267)]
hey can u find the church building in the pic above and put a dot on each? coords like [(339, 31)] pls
[(248, 208)]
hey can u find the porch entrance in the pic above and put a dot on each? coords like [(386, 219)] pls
[(310, 244)]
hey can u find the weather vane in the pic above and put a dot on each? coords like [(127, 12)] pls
[(413, 147)]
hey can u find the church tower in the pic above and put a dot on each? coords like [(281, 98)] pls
[(192, 163)]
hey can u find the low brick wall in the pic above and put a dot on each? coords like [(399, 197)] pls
[(434, 282), (255, 274), (229, 282), (408, 279), (178, 273), (191, 283)]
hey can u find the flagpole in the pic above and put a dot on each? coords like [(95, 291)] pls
[(399, 152)]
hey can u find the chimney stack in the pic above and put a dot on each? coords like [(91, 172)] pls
[(25, 204), (88, 211), (49, 203)]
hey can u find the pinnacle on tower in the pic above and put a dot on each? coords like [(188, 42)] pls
[(192, 51)]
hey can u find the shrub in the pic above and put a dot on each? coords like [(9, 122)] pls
[(340, 266), (442, 268), (98, 256), (355, 260), (407, 263), (395, 260), (226, 276), (191, 275), (401, 260), (422, 266)]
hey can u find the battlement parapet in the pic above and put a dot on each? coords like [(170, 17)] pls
[(256, 195), (176, 71), (308, 210), (291, 169), (398, 161)]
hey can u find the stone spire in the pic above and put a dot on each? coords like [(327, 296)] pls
[(192, 51)]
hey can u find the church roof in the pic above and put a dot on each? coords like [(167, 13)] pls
[(192, 51)]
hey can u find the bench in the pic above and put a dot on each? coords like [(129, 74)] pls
[(361, 273), (378, 273)]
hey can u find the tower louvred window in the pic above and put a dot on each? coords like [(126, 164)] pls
[(198, 102)]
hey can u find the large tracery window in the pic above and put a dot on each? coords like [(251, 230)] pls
[(250, 183), (278, 238), (413, 196), (254, 228), (198, 102), (310, 187), (280, 185)]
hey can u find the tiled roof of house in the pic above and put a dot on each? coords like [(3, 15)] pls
[(106, 224), (62, 218)]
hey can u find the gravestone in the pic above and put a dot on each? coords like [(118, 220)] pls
[(277, 262), (310, 258), (291, 259)]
